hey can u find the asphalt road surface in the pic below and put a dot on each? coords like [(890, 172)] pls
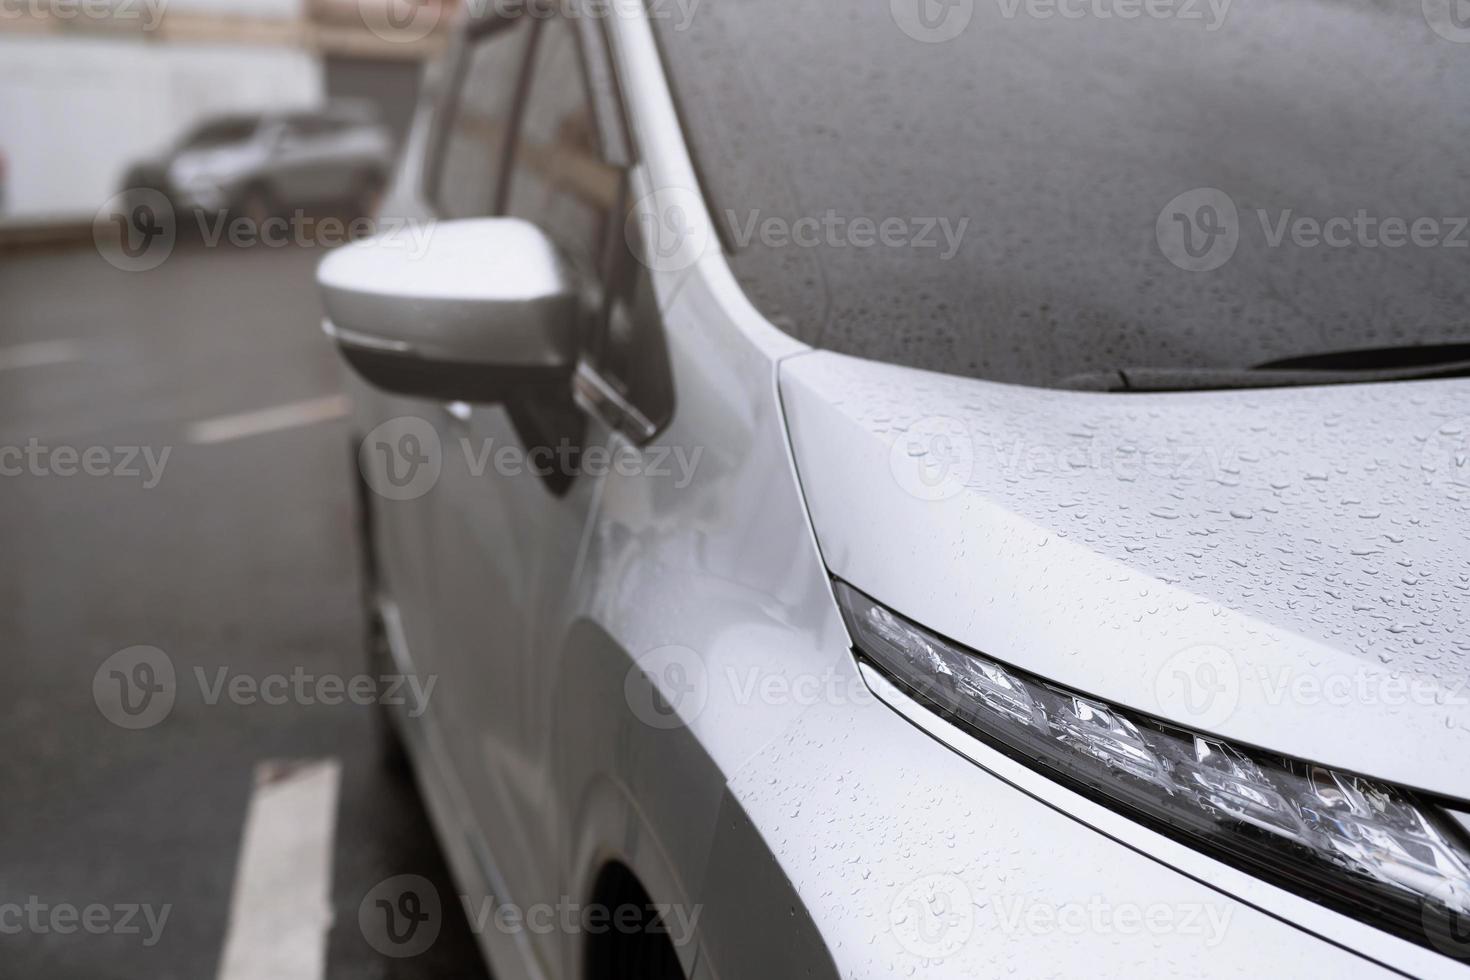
[(123, 836)]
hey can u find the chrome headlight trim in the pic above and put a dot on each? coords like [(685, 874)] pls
[(1383, 854)]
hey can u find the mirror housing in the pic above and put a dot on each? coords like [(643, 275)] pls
[(476, 311)]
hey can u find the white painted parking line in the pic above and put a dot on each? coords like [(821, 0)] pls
[(293, 416), (281, 908), (40, 353)]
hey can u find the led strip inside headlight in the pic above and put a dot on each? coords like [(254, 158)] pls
[(1375, 850)]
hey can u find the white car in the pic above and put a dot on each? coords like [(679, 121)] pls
[(885, 496), (265, 164)]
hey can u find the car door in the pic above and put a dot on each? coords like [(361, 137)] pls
[(519, 484), (305, 162), (411, 456)]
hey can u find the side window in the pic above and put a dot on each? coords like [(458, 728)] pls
[(563, 179), (559, 178), (479, 118), (222, 133)]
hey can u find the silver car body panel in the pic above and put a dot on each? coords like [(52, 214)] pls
[(799, 827), (1302, 542)]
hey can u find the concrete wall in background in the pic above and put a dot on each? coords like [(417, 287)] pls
[(76, 111)]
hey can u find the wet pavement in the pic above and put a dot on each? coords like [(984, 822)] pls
[(174, 475)]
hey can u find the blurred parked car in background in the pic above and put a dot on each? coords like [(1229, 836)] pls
[(259, 165)]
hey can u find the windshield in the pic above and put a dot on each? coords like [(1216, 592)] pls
[(1032, 190)]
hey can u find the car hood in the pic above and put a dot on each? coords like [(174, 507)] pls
[(1288, 568)]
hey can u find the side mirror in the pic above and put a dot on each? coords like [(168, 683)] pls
[(485, 309)]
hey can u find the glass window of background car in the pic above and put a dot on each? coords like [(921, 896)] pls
[(222, 133), (474, 140)]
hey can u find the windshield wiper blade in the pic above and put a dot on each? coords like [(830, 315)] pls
[(1373, 358), (1213, 379)]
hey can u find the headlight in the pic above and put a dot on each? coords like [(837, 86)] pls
[(1381, 852)]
